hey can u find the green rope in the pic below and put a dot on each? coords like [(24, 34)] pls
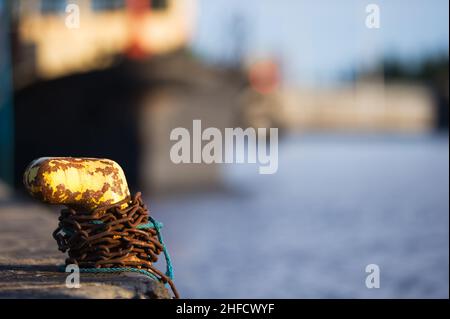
[(62, 268), (119, 269), (152, 224), (157, 225)]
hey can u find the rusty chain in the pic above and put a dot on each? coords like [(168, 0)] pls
[(109, 237)]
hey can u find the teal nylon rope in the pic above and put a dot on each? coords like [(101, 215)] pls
[(115, 269), (151, 224), (157, 225)]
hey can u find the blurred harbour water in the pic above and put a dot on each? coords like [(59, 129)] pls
[(336, 204)]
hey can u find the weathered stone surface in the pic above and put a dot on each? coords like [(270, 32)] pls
[(29, 261)]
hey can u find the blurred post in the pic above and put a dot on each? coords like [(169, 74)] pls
[(6, 109)]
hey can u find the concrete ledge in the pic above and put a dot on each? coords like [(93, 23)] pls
[(29, 261)]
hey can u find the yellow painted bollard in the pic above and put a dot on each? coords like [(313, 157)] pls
[(103, 228), (86, 183)]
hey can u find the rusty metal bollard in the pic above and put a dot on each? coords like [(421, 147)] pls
[(102, 228)]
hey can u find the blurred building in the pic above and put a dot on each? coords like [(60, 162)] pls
[(366, 106), (46, 47)]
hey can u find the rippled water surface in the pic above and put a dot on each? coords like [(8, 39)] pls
[(335, 205)]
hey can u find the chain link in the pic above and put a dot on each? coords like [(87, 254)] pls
[(108, 237)]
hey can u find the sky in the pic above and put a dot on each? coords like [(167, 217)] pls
[(319, 41)]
